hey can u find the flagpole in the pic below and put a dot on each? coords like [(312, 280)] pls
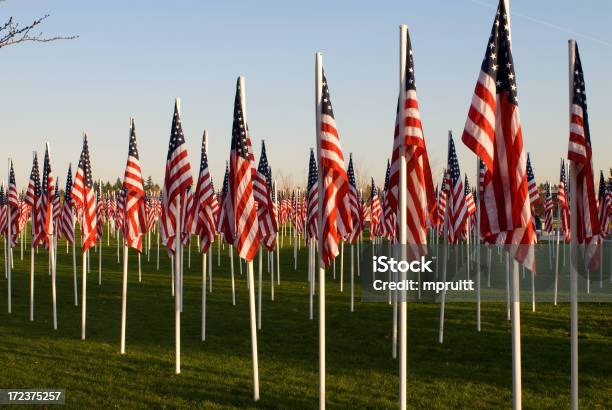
[(231, 254), (277, 245), (402, 222), (445, 265), (573, 247), (157, 234), (477, 235), (177, 269), (259, 289), (318, 93), (10, 259), (33, 214), (204, 295), (124, 295)]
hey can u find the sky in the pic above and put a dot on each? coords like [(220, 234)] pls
[(132, 58)]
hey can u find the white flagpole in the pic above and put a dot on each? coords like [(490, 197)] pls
[(8, 238), (172, 273), (158, 234), (218, 249), (573, 248), (403, 313), (177, 284), (251, 283), (139, 268), (210, 266), (516, 338), (124, 295), (318, 93), (259, 290), (342, 266), (231, 254), (311, 274), (557, 255), (32, 266), (277, 234), (352, 280), (444, 267), (74, 271), (204, 295), (477, 235)]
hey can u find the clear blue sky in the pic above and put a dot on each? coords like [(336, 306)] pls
[(134, 57)]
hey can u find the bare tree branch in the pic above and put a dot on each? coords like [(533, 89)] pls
[(12, 33)]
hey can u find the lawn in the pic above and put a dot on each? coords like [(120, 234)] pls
[(470, 369)]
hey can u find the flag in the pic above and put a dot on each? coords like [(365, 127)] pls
[(203, 212), (45, 219), (66, 226), (375, 211), (186, 216), (312, 195), (354, 203), (84, 198), (604, 205), (335, 190), (263, 196), (563, 204), (420, 196), (548, 210), (223, 223), (388, 215), (32, 198), (493, 132), (176, 180), (134, 195), (442, 195), (13, 206), (239, 203), (580, 151), (534, 194), (469, 198), (457, 208)]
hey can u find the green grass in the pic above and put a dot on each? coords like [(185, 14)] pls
[(470, 369)]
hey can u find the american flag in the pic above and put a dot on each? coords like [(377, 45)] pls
[(388, 215), (45, 219), (375, 211), (312, 194), (176, 180), (262, 190), (57, 208), (548, 210), (604, 205), (100, 212), (134, 188), (203, 212), (13, 206), (421, 202), (442, 195), (83, 197), (186, 216), (66, 226), (239, 203), (580, 151), (608, 206), (354, 201), (456, 203), (534, 194), (223, 222), (563, 204), (120, 210), (493, 132), (32, 198), (335, 191), (297, 221), (469, 198)]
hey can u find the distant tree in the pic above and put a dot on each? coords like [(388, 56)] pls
[(12, 32), (118, 184), (148, 186)]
